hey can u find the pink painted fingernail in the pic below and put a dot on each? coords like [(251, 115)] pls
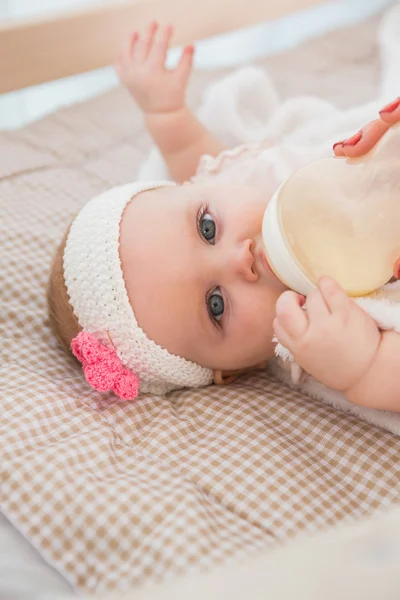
[(338, 144), (353, 141), (396, 270), (389, 108)]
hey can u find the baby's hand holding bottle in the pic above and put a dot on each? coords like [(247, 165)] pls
[(141, 69), (334, 340)]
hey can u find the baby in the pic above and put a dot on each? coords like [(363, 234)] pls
[(158, 286)]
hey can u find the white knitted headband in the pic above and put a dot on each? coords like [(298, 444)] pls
[(96, 288)]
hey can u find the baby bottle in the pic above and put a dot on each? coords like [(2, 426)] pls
[(338, 217)]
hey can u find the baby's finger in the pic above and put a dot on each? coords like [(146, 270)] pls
[(317, 309), (159, 49), (391, 113), (133, 38), (118, 64), (291, 319), (123, 59), (145, 42), (281, 335), (185, 64), (334, 296), (121, 65)]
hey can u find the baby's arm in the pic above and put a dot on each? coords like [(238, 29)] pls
[(379, 387), (340, 345), (182, 140), (179, 135)]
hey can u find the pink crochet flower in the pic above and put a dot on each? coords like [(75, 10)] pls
[(102, 367)]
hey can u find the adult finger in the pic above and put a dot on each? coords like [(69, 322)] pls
[(391, 112), (362, 141), (396, 269)]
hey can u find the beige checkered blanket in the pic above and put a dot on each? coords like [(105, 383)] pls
[(116, 494)]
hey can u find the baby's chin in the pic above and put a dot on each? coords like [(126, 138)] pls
[(255, 364)]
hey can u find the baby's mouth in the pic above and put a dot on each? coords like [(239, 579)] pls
[(265, 263), (264, 268)]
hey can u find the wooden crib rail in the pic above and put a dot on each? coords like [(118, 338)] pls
[(40, 50)]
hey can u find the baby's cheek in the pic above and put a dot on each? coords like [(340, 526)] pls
[(258, 317)]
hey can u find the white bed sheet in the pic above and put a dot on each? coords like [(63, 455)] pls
[(23, 573)]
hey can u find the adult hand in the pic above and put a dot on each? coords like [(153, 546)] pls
[(365, 139), (368, 136)]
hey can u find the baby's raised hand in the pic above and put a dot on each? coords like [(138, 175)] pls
[(333, 340), (141, 69)]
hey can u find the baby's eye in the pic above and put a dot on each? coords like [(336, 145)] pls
[(207, 228), (215, 305)]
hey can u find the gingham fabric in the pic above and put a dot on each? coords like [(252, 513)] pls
[(116, 494)]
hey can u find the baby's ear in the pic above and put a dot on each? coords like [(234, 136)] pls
[(226, 377)]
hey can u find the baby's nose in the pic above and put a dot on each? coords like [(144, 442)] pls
[(244, 261)]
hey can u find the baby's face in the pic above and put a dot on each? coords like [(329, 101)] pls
[(195, 275)]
